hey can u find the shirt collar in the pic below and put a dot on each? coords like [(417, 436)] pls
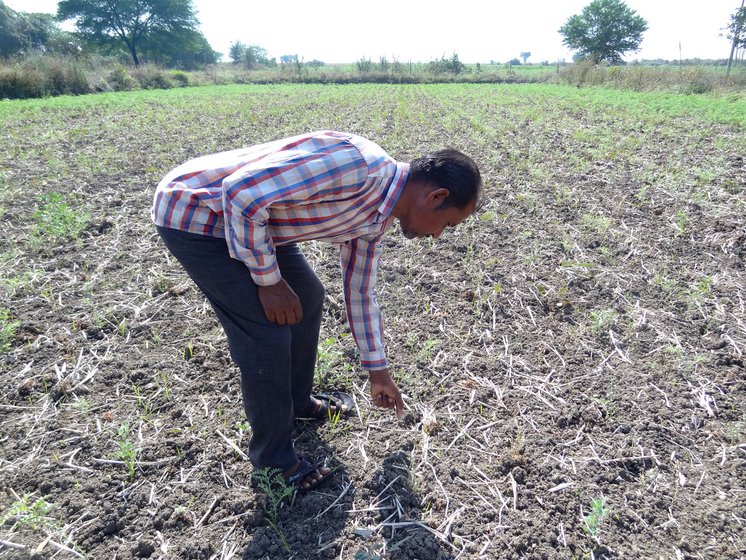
[(394, 189)]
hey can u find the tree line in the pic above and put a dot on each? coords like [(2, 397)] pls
[(166, 32)]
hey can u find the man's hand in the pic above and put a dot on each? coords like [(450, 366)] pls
[(384, 391), (281, 304)]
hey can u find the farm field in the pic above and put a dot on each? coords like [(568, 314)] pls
[(572, 356)]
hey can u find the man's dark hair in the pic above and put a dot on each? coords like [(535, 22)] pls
[(452, 170)]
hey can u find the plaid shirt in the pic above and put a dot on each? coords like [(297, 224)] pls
[(324, 186)]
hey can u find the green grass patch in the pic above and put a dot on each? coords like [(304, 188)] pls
[(56, 219), (8, 328)]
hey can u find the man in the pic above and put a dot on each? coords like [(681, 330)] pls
[(233, 220)]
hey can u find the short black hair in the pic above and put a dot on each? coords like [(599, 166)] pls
[(452, 170)]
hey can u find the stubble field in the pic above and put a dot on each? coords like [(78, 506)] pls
[(572, 357)]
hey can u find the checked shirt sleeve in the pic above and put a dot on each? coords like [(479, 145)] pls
[(359, 259), (291, 177)]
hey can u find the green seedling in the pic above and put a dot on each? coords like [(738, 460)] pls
[(55, 219), (600, 320), (8, 330), (277, 490), (592, 521), (680, 220), (23, 513), (126, 452)]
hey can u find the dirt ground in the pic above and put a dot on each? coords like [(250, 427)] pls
[(572, 357)]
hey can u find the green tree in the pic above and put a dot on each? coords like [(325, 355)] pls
[(129, 22), (21, 32), (237, 51), (186, 49), (251, 55), (604, 31)]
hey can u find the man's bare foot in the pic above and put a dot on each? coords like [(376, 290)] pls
[(318, 406), (325, 406), (312, 477)]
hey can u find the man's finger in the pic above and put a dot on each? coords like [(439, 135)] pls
[(399, 405)]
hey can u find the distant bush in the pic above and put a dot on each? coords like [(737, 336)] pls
[(18, 82), (636, 77), (180, 78), (150, 76), (119, 79), (40, 76)]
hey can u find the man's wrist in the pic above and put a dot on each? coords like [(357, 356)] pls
[(379, 374)]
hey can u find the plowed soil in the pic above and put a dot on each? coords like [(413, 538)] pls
[(572, 356)]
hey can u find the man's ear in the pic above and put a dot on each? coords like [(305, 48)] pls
[(438, 195)]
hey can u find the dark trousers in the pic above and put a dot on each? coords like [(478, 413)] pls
[(276, 362)]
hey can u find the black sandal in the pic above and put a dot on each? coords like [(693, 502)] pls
[(304, 469), (328, 400)]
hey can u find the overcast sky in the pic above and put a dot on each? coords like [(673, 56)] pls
[(420, 30)]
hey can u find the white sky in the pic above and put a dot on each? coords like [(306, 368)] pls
[(420, 30)]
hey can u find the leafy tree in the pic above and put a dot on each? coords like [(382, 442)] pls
[(130, 22), (21, 32), (237, 51), (251, 55), (186, 49), (525, 56), (604, 31)]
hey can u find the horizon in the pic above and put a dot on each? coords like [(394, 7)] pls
[(686, 29)]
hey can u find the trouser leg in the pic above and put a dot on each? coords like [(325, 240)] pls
[(276, 362), (304, 335)]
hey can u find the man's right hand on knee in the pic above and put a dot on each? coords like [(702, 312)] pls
[(281, 304)]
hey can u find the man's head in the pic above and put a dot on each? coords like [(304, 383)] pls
[(443, 189)]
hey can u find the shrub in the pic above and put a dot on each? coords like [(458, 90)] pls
[(120, 80), (181, 78), (19, 82), (150, 76)]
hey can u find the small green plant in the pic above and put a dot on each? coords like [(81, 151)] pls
[(24, 513), (426, 351), (592, 521), (703, 288), (55, 219), (82, 405), (143, 403), (600, 320), (277, 490), (330, 363), (126, 452), (596, 222), (8, 330), (164, 382)]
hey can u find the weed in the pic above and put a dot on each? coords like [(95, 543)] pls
[(703, 289), (330, 363), (142, 402), (592, 521), (126, 452), (596, 222), (55, 219), (276, 489), (188, 351), (8, 329), (82, 405), (164, 382), (34, 515), (600, 320)]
